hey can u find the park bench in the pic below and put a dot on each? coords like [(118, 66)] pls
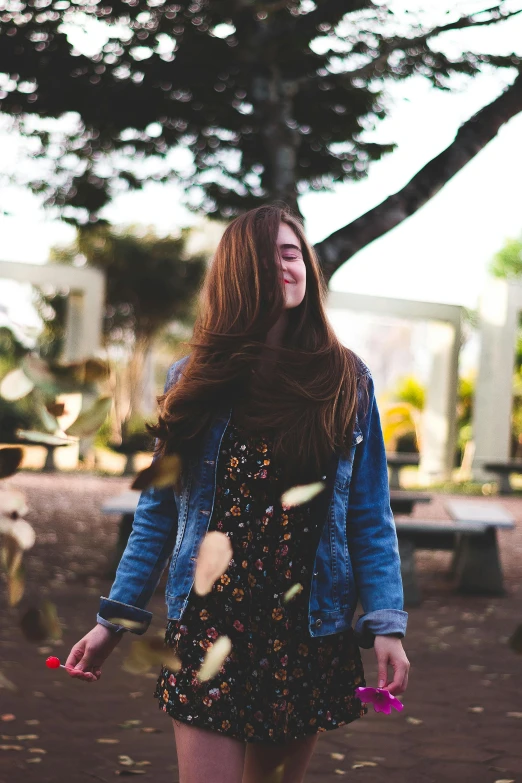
[(503, 470), (471, 534), (125, 505), (402, 501), (397, 460)]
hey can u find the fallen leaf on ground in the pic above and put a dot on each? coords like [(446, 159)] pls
[(136, 694), (7, 717), (32, 722), (337, 756), (359, 764), (151, 730), (339, 772), (107, 741), (11, 747), (414, 721), (7, 684), (125, 761), (27, 736), (128, 724), (36, 750), (514, 714), (475, 709), (33, 761)]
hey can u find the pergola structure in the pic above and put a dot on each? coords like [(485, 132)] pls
[(85, 301), (500, 306), (439, 423)]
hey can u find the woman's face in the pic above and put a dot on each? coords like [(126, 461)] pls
[(292, 265)]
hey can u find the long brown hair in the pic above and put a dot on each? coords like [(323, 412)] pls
[(308, 407)]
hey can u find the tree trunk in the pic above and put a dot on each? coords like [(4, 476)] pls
[(273, 101)]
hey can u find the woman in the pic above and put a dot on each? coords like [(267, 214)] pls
[(267, 399)]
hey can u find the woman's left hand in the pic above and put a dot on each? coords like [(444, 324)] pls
[(389, 650)]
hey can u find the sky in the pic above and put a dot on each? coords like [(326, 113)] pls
[(440, 254)]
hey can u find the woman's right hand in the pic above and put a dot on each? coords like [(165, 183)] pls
[(87, 655)]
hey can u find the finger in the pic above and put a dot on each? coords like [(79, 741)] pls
[(395, 686), (74, 656), (382, 672)]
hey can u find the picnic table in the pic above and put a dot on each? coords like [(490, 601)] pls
[(402, 501), (124, 504), (397, 460), (471, 533), (49, 466), (503, 470)]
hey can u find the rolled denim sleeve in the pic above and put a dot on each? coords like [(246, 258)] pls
[(372, 537), (148, 549)]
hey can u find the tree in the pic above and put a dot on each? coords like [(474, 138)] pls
[(507, 263), (151, 281), (271, 97)]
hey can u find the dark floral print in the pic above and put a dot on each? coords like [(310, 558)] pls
[(278, 683)]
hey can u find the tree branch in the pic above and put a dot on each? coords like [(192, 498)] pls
[(471, 138), (392, 44)]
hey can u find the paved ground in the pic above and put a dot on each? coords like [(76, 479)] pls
[(456, 727)]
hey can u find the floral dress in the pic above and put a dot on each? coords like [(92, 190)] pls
[(278, 683)]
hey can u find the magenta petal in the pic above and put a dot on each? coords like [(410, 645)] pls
[(396, 703), (382, 707), (367, 695)]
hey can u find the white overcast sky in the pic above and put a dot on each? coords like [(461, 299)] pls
[(439, 254)]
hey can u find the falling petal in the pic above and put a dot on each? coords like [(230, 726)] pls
[(20, 530), (89, 422), (15, 385), (276, 776), (301, 493), (130, 625), (214, 556), (12, 504), (10, 460), (149, 652), (214, 658), (16, 585), (38, 371), (44, 438), (292, 592), (164, 472), (56, 408), (49, 422)]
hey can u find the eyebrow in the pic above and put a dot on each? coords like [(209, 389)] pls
[(288, 247)]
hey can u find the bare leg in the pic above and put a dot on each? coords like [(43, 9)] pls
[(262, 760), (205, 755)]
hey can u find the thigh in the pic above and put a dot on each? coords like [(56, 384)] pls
[(205, 755), (286, 763)]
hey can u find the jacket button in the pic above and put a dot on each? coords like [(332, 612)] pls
[(318, 623)]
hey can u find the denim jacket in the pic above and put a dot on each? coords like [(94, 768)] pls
[(357, 555)]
